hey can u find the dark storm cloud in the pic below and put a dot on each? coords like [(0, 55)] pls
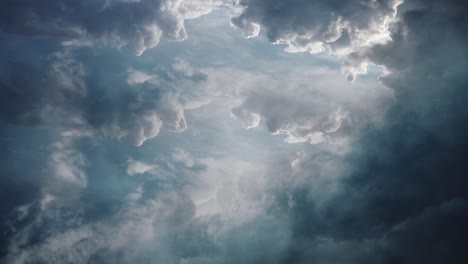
[(401, 192), (136, 24), (404, 200)]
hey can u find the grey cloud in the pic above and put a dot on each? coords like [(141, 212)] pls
[(65, 93), (37, 171), (65, 175), (402, 192), (162, 228), (337, 27), (138, 25), (328, 109), (409, 241), (397, 196)]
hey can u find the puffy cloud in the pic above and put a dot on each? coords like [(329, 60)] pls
[(71, 99), (139, 25), (63, 89), (405, 175), (248, 119), (336, 27), (195, 8), (397, 195), (138, 167), (327, 110)]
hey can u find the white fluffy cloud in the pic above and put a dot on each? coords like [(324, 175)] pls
[(314, 105), (336, 27)]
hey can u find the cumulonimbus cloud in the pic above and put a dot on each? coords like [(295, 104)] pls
[(399, 196), (404, 176)]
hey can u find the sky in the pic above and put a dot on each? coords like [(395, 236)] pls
[(233, 131)]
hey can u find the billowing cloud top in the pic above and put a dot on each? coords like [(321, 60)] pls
[(337, 27)]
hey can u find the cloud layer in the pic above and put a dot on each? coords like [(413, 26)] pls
[(383, 180)]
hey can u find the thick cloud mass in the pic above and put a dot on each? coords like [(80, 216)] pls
[(326, 112), (117, 23), (397, 195), (404, 200), (337, 27)]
